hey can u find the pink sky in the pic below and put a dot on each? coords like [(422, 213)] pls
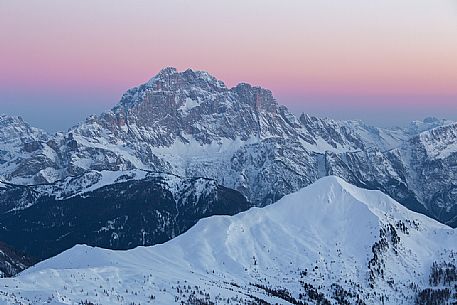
[(397, 52)]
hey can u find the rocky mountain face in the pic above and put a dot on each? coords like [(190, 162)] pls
[(430, 168), (116, 210), (190, 124), (420, 173), (22, 149), (329, 243), (12, 261)]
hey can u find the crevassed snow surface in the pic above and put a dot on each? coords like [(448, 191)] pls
[(322, 235)]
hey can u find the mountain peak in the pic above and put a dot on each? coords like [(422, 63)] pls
[(170, 81), (334, 195), (15, 128), (431, 119), (163, 74), (173, 78), (168, 71)]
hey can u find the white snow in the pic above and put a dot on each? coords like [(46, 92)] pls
[(185, 156), (94, 180), (188, 105), (327, 228), (111, 177)]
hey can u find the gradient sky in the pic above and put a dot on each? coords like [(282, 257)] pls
[(386, 61)]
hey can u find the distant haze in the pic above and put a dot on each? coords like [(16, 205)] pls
[(386, 62)]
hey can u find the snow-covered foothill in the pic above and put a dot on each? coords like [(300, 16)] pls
[(329, 241)]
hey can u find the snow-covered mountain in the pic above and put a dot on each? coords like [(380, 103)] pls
[(190, 124), (329, 243), (116, 210)]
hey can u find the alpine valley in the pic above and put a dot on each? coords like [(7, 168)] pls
[(183, 147)]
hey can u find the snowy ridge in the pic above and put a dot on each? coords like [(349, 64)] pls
[(347, 136), (89, 182), (67, 188), (94, 180), (327, 241), (114, 210)]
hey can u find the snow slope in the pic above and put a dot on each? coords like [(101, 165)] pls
[(329, 241)]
